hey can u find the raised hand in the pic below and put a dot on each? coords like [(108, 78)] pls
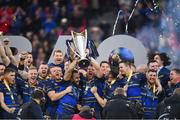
[(68, 89), (11, 110), (94, 89)]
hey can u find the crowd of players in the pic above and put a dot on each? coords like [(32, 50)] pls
[(68, 87)]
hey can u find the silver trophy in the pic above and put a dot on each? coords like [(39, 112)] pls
[(79, 47)]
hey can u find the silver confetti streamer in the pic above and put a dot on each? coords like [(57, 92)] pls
[(114, 27), (126, 30)]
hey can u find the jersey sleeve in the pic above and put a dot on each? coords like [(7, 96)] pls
[(50, 86), (143, 79)]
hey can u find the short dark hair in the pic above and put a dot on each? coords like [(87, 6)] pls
[(28, 52), (127, 63), (43, 64), (177, 70), (104, 62), (8, 70), (57, 51), (54, 67), (152, 71), (38, 94), (85, 109), (151, 61), (2, 64), (114, 74), (74, 71)]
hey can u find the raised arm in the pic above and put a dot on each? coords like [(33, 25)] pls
[(4, 106), (159, 86), (95, 63), (56, 96), (21, 70), (3, 56), (97, 67), (9, 52), (100, 100), (68, 72)]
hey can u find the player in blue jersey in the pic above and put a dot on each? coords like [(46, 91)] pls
[(30, 85), (102, 76), (149, 95), (28, 62), (152, 65), (88, 98), (58, 59), (134, 81), (174, 81), (53, 85), (8, 95), (163, 60), (68, 103), (2, 68), (43, 72), (110, 85), (104, 69), (43, 76)]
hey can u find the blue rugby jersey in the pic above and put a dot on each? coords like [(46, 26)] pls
[(110, 88), (122, 82), (149, 102), (170, 89), (27, 90), (19, 84), (100, 84), (53, 85), (135, 84), (8, 100), (163, 76), (67, 104), (87, 98)]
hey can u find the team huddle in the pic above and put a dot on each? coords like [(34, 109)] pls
[(67, 87)]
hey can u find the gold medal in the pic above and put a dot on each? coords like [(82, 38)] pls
[(11, 94)]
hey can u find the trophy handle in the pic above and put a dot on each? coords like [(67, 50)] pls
[(72, 49), (84, 33), (73, 34)]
